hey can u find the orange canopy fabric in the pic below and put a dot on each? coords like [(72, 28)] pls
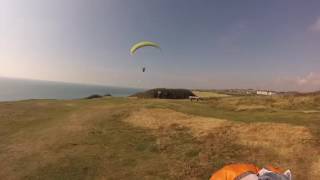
[(233, 171), (274, 169), (237, 171)]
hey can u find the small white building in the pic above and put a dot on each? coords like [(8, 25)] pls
[(265, 93)]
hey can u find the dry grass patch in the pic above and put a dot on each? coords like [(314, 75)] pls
[(164, 118), (310, 111), (263, 143)]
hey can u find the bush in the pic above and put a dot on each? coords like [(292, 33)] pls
[(94, 96)]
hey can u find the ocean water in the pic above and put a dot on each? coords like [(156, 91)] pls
[(19, 89)]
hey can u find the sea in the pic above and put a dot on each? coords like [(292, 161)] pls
[(21, 89)]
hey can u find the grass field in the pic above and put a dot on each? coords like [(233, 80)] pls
[(128, 138), (207, 94)]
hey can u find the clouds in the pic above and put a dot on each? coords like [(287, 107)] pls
[(312, 79), (315, 27), (308, 82)]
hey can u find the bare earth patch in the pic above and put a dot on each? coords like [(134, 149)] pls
[(293, 146)]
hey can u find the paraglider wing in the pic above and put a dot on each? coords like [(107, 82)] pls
[(142, 44)]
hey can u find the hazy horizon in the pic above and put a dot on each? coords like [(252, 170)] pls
[(13, 89), (136, 88), (60, 81), (205, 45)]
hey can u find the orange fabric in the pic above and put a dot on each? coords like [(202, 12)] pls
[(230, 172), (274, 169)]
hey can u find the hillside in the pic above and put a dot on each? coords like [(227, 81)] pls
[(117, 138)]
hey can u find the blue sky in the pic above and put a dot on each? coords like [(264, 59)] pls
[(205, 44)]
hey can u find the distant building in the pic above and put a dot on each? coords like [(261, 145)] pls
[(265, 92)]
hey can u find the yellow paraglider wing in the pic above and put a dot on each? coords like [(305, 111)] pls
[(142, 44)]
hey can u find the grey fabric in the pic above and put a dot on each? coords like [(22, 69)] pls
[(273, 176)]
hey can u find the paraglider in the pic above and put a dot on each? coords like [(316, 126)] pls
[(143, 44)]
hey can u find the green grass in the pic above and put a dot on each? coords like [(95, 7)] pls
[(215, 109), (207, 94)]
